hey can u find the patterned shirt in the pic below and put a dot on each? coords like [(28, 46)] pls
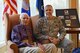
[(20, 33), (45, 28)]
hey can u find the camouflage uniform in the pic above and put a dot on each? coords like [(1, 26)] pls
[(52, 28)]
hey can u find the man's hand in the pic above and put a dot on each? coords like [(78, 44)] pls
[(41, 46), (25, 41)]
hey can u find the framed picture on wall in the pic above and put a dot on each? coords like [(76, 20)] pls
[(69, 17)]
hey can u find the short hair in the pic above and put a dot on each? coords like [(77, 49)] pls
[(22, 15), (48, 5)]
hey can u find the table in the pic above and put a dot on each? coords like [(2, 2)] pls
[(74, 31)]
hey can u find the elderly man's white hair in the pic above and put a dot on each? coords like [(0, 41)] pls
[(22, 15)]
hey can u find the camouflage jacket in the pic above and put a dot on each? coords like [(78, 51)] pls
[(52, 28)]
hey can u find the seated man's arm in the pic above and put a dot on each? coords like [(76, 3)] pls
[(62, 31)]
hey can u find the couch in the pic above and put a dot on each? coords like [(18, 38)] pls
[(10, 21)]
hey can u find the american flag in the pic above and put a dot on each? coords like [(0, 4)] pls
[(10, 6)]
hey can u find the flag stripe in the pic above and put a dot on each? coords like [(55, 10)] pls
[(6, 8), (14, 8), (14, 2), (11, 7), (11, 12)]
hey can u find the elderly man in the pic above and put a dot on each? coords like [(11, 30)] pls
[(22, 36), (48, 27)]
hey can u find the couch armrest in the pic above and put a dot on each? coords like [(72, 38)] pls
[(12, 47), (15, 48)]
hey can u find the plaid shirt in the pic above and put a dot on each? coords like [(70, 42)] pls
[(20, 33)]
